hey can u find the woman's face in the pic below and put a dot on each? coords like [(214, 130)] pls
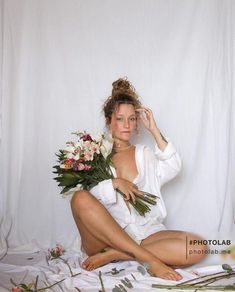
[(123, 122)]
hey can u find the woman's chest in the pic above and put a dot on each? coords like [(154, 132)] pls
[(125, 165)]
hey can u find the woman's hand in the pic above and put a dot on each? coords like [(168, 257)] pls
[(147, 119), (129, 189)]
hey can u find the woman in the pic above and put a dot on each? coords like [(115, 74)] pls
[(109, 227)]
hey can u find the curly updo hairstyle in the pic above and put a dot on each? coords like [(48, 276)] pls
[(123, 92)]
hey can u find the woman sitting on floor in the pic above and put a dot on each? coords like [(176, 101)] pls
[(107, 222)]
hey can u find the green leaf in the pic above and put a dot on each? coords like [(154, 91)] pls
[(116, 289), (69, 175), (142, 270), (66, 189), (230, 287), (227, 268), (77, 175), (127, 282), (67, 181)]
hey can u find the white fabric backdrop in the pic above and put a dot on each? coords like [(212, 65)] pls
[(58, 61)]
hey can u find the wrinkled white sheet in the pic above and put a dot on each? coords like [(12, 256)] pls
[(24, 267)]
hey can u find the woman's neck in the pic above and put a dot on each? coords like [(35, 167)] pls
[(121, 145)]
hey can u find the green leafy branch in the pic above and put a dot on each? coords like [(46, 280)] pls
[(32, 287), (203, 283)]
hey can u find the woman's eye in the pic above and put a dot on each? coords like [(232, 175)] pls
[(133, 119), (129, 119)]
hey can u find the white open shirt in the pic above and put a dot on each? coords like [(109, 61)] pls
[(154, 169)]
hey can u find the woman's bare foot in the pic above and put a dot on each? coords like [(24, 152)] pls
[(156, 268), (159, 269), (100, 259)]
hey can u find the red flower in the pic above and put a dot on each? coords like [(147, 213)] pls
[(68, 163), (86, 137)]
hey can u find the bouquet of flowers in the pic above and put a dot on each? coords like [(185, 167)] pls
[(86, 162)]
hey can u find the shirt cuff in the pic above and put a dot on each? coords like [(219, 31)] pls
[(107, 192), (169, 151)]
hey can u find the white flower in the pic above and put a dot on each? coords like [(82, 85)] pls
[(94, 148), (77, 156), (108, 137), (97, 137), (69, 155), (86, 145), (69, 148), (77, 145), (107, 145)]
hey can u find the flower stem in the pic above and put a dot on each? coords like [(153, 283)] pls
[(201, 285), (101, 281), (215, 277), (68, 265), (198, 287), (139, 205), (36, 282), (48, 287), (202, 277)]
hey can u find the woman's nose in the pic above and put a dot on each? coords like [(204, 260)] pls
[(126, 124)]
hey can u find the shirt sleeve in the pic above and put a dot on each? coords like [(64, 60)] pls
[(168, 163), (105, 192)]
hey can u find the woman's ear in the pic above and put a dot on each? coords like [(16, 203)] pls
[(108, 122), (138, 123)]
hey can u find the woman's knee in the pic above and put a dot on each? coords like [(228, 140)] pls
[(197, 249), (81, 200)]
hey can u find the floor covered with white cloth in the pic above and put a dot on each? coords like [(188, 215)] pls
[(28, 268)]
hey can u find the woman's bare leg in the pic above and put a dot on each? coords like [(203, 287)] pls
[(168, 246), (90, 215), (173, 248), (99, 253)]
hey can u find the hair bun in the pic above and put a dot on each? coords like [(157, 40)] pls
[(122, 86), (123, 92)]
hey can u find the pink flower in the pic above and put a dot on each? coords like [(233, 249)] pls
[(94, 148), (17, 289), (56, 251), (88, 156), (87, 167), (80, 166)]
